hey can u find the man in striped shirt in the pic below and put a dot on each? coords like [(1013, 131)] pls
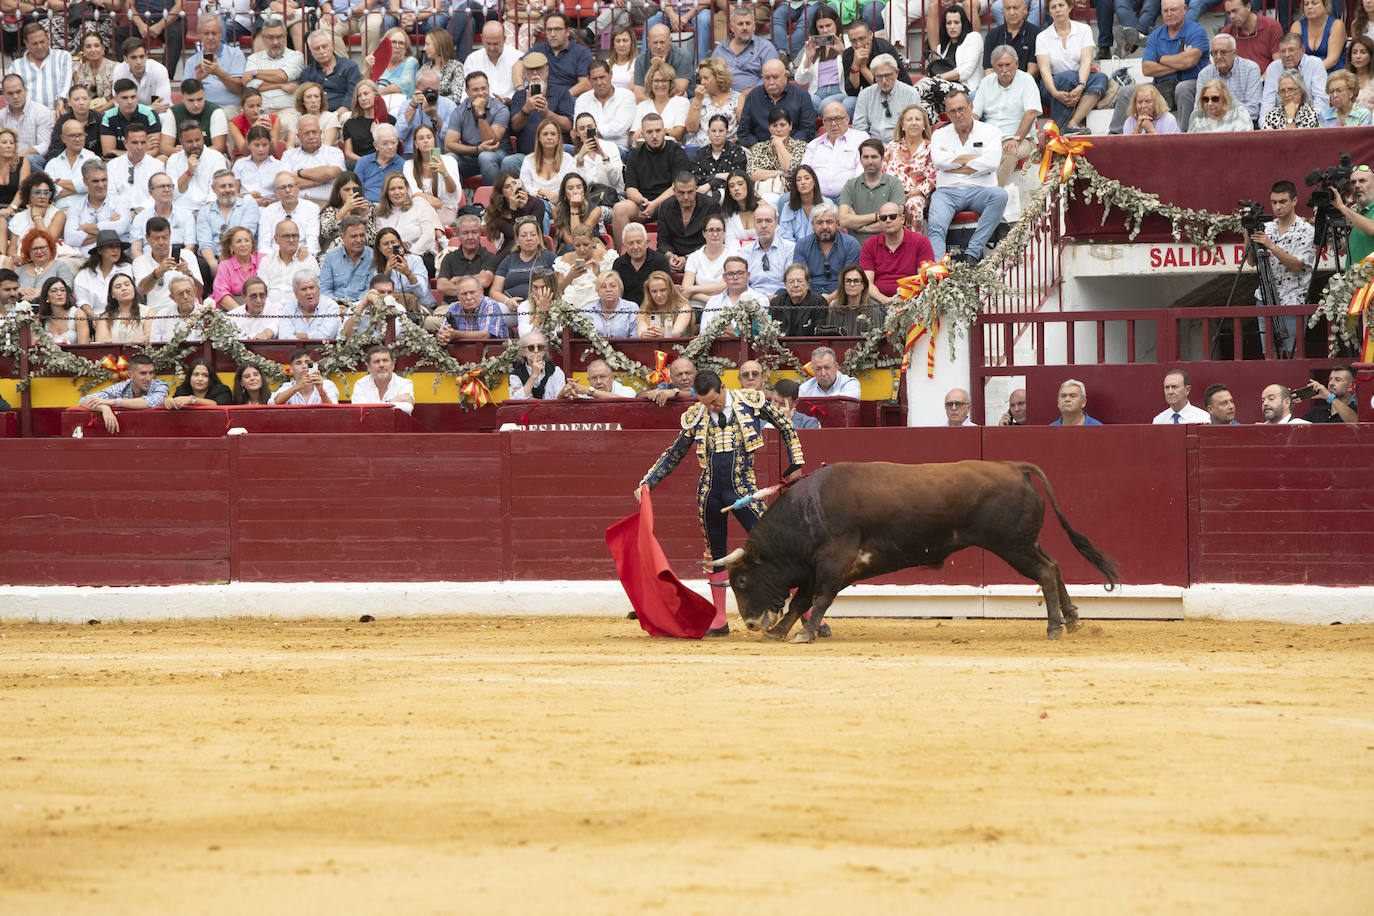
[(48, 76)]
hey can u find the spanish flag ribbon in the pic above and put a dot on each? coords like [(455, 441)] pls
[(473, 388), (118, 367), (929, 272), (1055, 144), (810, 373), (914, 334), (660, 373), (1360, 301)]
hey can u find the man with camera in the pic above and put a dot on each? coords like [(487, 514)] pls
[(1360, 212), (427, 107), (1289, 245)]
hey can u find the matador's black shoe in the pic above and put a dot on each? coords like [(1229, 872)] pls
[(719, 631)]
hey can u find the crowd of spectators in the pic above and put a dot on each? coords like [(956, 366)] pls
[(650, 187)]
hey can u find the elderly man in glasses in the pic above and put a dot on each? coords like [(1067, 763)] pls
[(538, 377), (1360, 212), (957, 407), (834, 155), (1242, 77), (880, 105)]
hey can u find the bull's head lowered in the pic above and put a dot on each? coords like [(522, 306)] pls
[(760, 591)]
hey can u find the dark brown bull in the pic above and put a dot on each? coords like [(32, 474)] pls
[(854, 521)]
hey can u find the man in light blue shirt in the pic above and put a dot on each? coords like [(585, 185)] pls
[(829, 381), (768, 255), (228, 210), (437, 116), (373, 168), (1293, 57), (142, 391), (346, 270), (222, 73), (312, 316), (1185, 45), (826, 251), (100, 209), (1242, 77), (744, 52), (48, 75)]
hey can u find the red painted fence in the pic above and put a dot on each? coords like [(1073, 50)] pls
[(1173, 505)]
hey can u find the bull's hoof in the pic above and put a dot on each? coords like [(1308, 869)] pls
[(1054, 632), (775, 634), (1072, 624), (803, 636), (823, 631)]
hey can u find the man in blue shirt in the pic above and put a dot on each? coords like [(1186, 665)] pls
[(826, 251), (218, 66), (567, 59), (743, 51), (437, 116), (338, 76), (346, 271), (142, 391), (539, 99), (1175, 54), (1073, 398), (373, 168), (776, 92), (229, 209), (478, 131)]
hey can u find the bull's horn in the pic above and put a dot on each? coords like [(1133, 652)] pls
[(729, 558)]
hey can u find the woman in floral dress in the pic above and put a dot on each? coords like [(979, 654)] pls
[(908, 157)]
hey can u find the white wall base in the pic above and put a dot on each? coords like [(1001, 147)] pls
[(70, 604)]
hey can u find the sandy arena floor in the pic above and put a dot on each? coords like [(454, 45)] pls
[(484, 765)]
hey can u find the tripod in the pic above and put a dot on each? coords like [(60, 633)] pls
[(1268, 292), (1331, 228)]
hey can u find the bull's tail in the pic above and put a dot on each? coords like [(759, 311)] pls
[(1084, 546)]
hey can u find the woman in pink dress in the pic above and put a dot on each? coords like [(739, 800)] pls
[(239, 260), (908, 157)]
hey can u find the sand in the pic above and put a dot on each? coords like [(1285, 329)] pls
[(487, 765)]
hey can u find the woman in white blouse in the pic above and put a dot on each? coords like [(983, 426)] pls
[(579, 269), (93, 280), (1064, 52), (661, 80), (704, 274), (434, 178), (962, 45), (543, 170), (412, 217), (622, 56)]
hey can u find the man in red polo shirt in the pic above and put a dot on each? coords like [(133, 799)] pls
[(892, 254), (1257, 37)]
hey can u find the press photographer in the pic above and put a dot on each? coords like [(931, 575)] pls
[(1361, 214), (1288, 250)]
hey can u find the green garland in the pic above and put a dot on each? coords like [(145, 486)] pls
[(1334, 306), (1201, 227)]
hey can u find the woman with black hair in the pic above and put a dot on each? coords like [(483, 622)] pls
[(250, 386), (718, 158), (391, 256), (107, 258), (201, 388), (66, 321), (738, 209), (36, 208), (123, 321), (345, 200), (772, 162)]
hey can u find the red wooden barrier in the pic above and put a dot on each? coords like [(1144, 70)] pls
[(1124, 487), (1282, 505), (145, 511), (9, 424), (628, 414), (368, 508), (201, 422)]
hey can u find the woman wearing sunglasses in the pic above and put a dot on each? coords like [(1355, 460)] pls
[(537, 378)]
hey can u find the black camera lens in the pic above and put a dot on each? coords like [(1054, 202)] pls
[(431, 96)]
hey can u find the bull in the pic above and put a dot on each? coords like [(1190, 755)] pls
[(853, 521)]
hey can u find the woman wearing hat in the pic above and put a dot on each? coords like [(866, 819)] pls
[(107, 258)]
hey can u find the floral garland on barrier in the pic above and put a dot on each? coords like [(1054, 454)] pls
[(1343, 302), (1201, 227), (744, 318)]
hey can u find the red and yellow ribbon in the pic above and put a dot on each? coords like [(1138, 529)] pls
[(929, 272), (915, 333), (473, 388), (1055, 144), (118, 367), (660, 373), (1367, 351), (810, 373)]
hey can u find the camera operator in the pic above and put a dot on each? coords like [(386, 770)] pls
[(1289, 247), (1361, 214)]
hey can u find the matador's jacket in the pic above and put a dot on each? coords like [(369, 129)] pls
[(725, 453)]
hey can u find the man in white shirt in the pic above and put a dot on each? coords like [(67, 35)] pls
[(314, 164), (47, 74), (280, 267), (251, 318), (274, 70), (65, 168), (194, 167), (735, 272), (307, 386), (834, 155), (1176, 388), (382, 385), (33, 122), (153, 81), (499, 61), (1276, 403), (177, 313), (156, 268), (161, 190), (829, 381), (312, 316), (966, 154), (133, 170), (613, 109), (957, 407), (101, 207), (289, 206), (1011, 103)]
